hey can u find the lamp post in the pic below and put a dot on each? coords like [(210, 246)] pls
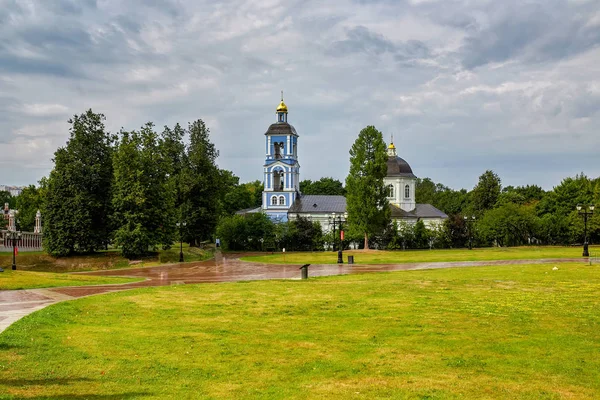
[(338, 220), (14, 238), (469, 221), (583, 212), (180, 225)]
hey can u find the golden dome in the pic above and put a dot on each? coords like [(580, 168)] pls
[(282, 107), (391, 146)]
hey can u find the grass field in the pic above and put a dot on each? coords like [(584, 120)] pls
[(29, 280), (409, 256), (510, 332), (111, 259)]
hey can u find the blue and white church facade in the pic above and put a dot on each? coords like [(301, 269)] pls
[(281, 168), (282, 200)]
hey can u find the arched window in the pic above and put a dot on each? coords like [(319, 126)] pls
[(281, 201), (390, 191), (274, 200), (407, 191)]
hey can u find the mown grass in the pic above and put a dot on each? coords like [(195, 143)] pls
[(510, 332), (410, 256), (30, 280), (111, 259)]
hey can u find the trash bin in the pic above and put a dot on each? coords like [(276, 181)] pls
[(350, 259), (304, 269)]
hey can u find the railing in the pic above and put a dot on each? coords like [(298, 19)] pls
[(29, 241)]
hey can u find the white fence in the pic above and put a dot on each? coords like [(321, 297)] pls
[(29, 241)]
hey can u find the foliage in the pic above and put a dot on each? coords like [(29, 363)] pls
[(324, 186), (367, 204), (77, 206), (508, 225), (144, 196), (202, 188), (245, 232), (302, 235), (28, 203), (238, 196), (485, 194)]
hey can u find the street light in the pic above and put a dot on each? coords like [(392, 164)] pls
[(469, 221), (338, 220), (180, 225), (14, 237), (583, 212)]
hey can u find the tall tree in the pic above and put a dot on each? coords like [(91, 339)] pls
[(144, 196), (367, 205), (77, 208), (173, 151), (485, 194), (202, 185)]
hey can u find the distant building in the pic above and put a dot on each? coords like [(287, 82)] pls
[(282, 200), (13, 190)]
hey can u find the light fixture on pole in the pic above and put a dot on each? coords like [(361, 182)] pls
[(584, 213), (338, 220), (469, 222)]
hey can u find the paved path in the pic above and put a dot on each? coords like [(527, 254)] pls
[(15, 304)]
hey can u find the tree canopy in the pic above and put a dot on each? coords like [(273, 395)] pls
[(366, 200)]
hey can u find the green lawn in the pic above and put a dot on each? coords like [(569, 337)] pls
[(29, 280), (409, 256), (510, 332), (111, 259)]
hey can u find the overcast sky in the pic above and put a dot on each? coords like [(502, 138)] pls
[(463, 85)]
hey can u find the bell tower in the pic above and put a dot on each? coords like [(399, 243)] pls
[(281, 168)]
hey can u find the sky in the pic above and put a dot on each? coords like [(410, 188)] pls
[(462, 85)]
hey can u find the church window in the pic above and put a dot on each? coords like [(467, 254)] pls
[(278, 180), (407, 191), (274, 200), (278, 146), (281, 201), (390, 190)]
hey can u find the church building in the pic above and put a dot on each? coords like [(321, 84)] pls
[(282, 200)]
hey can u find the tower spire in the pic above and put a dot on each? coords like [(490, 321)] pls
[(391, 148), (282, 110)]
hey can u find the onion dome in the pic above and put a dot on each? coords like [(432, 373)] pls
[(282, 107)]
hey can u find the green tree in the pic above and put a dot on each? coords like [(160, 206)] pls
[(246, 232), (144, 196), (77, 207), (172, 150), (324, 186), (509, 225), (367, 205), (28, 203), (485, 194), (202, 185)]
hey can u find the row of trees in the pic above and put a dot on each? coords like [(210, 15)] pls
[(500, 216), (132, 189)]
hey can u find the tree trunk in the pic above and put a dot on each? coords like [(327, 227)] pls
[(366, 241)]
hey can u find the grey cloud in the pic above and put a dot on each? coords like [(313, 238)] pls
[(175, 61), (362, 40), (66, 7), (533, 33)]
